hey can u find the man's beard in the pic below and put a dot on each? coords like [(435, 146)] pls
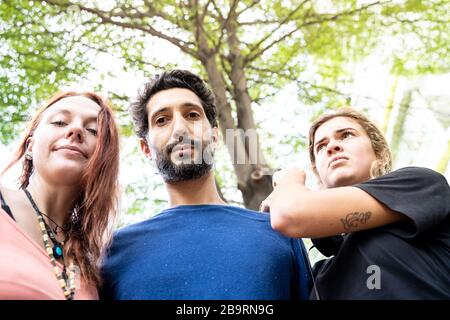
[(188, 169)]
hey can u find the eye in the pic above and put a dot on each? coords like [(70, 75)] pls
[(320, 147), (93, 131), (193, 115), (161, 121), (347, 134), (59, 123)]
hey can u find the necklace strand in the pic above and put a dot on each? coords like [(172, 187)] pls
[(66, 278), (55, 230), (57, 245)]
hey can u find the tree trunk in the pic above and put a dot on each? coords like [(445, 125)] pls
[(259, 185), (445, 159), (400, 123), (389, 106), (254, 185)]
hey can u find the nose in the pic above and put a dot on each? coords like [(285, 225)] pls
[(333, 147), (75, 133), (180, 128)]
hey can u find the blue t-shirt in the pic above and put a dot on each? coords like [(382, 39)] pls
[(196, 252)]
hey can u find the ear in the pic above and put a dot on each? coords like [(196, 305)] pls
[(29, 145), (215, 137), (145, 148)]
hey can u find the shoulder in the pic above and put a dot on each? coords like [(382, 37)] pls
[(409, 177), (247, 213), (419, 179), (123, 240), (214, 211), (127, 233), (10, 195), (406, 184), (246, 220), (13, 202), (420, 173), (131, 230), (421, 194)]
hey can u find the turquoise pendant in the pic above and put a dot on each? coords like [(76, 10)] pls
[(57, 251)]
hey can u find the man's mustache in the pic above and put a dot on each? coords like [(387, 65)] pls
[(192, 142)]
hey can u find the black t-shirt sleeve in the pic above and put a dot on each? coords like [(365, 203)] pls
[(421, 194)]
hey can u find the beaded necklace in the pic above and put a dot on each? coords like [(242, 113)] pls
[(66, 278)]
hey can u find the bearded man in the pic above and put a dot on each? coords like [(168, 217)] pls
[(199, 248)]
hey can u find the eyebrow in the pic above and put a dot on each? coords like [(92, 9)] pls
[(68, 112), (185, 105), (337, 131)]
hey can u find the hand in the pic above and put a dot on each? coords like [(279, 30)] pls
[(288, 176), (284, 182)]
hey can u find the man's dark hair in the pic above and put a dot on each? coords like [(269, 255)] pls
[(168, 80)]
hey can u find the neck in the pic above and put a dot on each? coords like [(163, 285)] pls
[(193, 192), (56, 202)]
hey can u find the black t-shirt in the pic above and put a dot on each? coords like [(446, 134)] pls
[(409, 259)]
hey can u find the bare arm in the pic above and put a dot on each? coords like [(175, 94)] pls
[(297, 211)]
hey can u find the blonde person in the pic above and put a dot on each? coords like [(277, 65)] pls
[(388, 232), (54, 228)]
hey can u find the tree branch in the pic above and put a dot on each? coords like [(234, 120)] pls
[(294, 79), (283, 22), (230, 13), (251, 5), (224, 24), (105, 18), (205, 10), (218, 10), (327, 18), (172, 19), (258, 22)]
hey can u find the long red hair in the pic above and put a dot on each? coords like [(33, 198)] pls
[(98, 201)]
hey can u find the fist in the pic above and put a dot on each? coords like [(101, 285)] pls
[(288, 176)]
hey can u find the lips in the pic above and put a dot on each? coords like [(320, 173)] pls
[(73, 148), (181, 147), (335, 158)]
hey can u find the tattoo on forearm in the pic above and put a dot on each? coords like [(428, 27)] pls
[(353, 220)]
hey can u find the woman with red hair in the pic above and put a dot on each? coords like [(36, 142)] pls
[(54, 228)]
